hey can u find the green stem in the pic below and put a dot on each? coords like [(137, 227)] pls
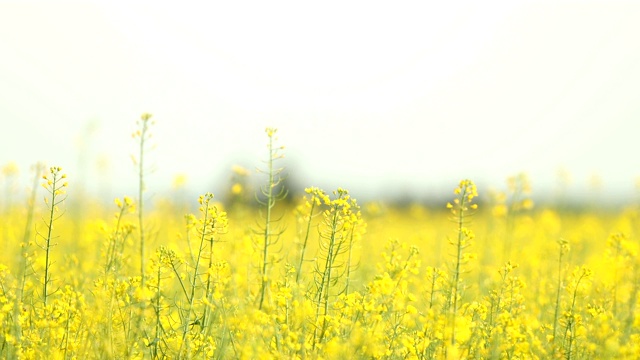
[(325, 282), (559, 287), (306, 238), (47, 263), (267, 226), (456, 274), (349, 258), (140, 197)]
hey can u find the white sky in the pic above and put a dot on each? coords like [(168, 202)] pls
[(372, 97)]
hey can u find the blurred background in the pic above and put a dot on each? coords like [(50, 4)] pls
[(390, 102)]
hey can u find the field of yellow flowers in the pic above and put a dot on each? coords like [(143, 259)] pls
[(319, 276)]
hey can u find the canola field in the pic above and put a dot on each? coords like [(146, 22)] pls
[(270, 275)]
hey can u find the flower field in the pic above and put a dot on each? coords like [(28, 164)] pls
[(487, 275)]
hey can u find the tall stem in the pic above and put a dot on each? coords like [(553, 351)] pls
[(141, 198), (306, 239), (47, 248), (55, 189), (456, 274), (267, 225), (143, 133)]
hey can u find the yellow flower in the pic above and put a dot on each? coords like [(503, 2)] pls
[(179, 181), (10, 169), (236, 189)]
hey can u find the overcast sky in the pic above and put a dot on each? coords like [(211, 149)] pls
[(377, 98)]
